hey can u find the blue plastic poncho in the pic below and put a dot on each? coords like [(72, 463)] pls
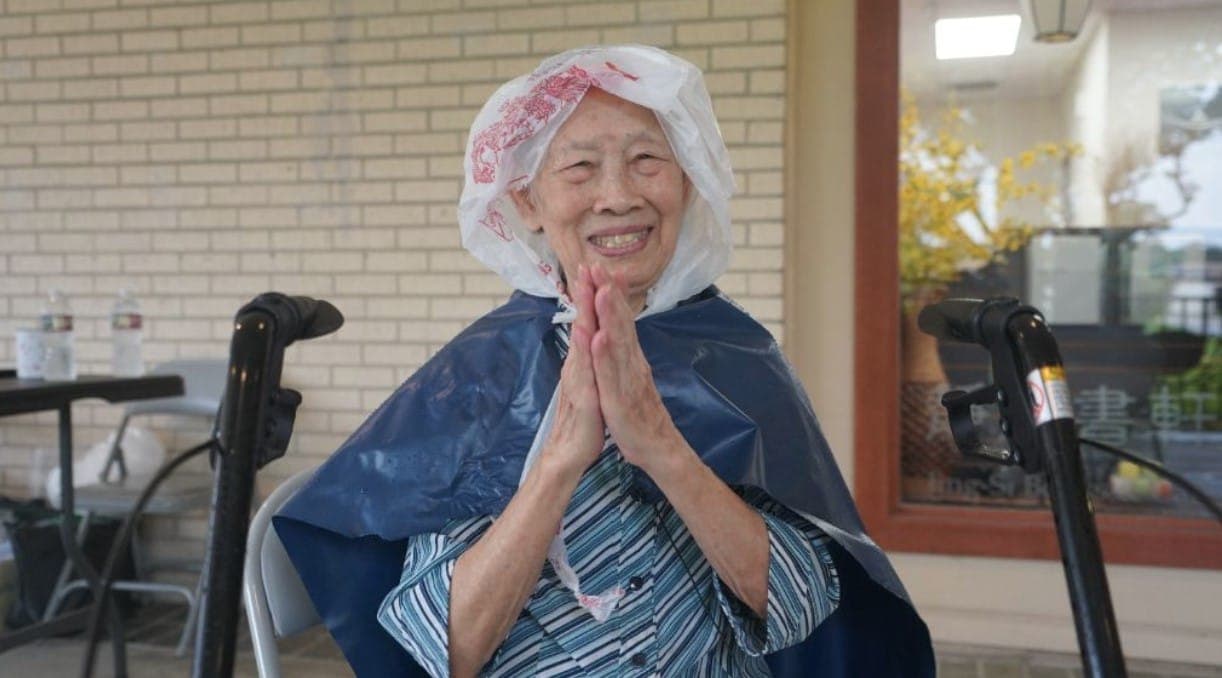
[(451, 442)]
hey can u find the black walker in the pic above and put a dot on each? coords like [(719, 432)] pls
[(1030, 390)]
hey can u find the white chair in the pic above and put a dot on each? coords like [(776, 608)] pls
[(277, 604), (203, 387)]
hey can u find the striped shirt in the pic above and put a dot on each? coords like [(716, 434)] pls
[(677, 617)]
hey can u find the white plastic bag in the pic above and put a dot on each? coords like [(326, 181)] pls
[(511, 134), (143, 454)]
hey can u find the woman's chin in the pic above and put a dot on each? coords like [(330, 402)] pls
[(637, 258), (628, 269)]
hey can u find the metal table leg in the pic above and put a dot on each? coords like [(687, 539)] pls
[(71, 549)]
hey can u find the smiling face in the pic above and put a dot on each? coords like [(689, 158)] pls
[(609, 190)]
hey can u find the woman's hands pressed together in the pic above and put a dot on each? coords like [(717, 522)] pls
[(604, 353), (576, 438), (730, 533)]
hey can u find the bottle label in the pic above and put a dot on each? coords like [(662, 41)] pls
[(126, 321), (56, 323)]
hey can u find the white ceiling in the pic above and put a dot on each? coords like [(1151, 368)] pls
[(1034, 70)]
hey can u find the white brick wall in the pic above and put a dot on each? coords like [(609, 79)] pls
[(204, 152)]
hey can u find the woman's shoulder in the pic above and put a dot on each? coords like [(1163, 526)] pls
[(519, 308), (509, 325), (713, 314)]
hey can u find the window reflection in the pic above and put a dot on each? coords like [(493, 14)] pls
[(1123, 256)]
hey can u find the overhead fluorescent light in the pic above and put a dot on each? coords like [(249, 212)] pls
[(971, 37)]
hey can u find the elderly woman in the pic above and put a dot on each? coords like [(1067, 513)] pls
[(615, 473)]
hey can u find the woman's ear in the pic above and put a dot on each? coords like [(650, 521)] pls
[(525, 204)]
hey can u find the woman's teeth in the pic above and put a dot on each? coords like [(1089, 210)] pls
[(617, 241)]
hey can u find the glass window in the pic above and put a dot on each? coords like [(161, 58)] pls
[(1084, 178)]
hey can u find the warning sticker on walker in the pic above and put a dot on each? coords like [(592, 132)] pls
[(1049, 395)]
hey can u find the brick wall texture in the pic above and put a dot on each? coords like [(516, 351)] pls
[(200, 153)]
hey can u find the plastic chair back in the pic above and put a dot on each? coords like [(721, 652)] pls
[(203, 381), (277, 605)]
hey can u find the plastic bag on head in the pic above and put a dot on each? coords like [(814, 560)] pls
[(511, 134)]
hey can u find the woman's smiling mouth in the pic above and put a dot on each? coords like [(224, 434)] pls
[(618, 244)]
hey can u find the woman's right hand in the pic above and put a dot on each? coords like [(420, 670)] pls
[(578, 431)]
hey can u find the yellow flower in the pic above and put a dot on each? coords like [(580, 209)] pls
[(943, 232)]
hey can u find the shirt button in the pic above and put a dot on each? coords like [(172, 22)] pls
[(635, 583), (639, 659)]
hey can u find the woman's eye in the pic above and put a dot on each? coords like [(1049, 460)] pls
[(648, 163), (577, 172)]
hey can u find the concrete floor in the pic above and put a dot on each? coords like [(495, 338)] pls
[(153, 632), (62, 658), (151, 637)]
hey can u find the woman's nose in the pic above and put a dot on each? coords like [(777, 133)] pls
[(617, 193)]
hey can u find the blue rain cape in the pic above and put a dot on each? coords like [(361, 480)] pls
[(451, 441)]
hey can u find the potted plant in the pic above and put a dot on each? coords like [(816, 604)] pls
[(953, 220)]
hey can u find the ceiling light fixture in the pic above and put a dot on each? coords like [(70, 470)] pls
[(971, 37), (1058, 20)]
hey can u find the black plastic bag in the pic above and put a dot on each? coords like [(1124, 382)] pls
[(33, 530)]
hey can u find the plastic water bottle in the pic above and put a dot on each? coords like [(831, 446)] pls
[(126, 324), (59, 352)]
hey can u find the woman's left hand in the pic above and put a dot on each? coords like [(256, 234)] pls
[(631, 406)]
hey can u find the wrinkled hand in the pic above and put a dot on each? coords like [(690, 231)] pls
[(576, 438), (629, 400)]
